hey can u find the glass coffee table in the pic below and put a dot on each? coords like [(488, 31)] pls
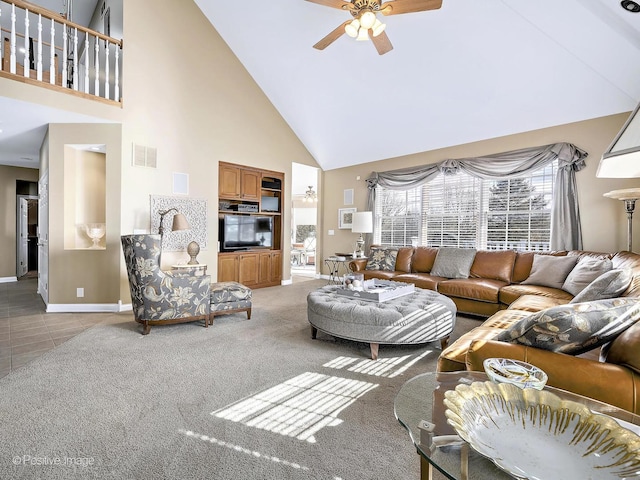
[(419, 407)]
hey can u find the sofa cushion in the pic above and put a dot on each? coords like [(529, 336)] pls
[(453, 262), (629, 260), (574, 328), (382, 259), (586, 271), (493, 264), (481, 289), (423, 258), (524, 261), (610, 284), (420, 280), (623, 350), (511, 293), (535, 303), (550, 271)]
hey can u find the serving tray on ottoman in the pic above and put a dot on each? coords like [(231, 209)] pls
[(377, 290)]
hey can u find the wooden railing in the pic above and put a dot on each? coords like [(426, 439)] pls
[(42, 47)]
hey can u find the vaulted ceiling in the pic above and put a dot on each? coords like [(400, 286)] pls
[(469, 71)]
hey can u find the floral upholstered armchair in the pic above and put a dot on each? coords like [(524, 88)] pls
[(160, 297)]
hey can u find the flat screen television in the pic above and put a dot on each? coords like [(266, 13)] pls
[(243, 232)]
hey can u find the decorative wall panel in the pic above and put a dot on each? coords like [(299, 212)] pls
[(195, 211)]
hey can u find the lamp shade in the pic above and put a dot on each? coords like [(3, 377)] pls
[(363, 34), (362, 222), (179, 223), (622, 158), (378, 28), (367, 19), (352, 28)]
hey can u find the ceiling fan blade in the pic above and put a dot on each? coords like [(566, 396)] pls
[(381, 42), (340, 4), (332, 37), (395, 7)]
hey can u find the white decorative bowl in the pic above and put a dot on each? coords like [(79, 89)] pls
[(520, 374), (535, 435)]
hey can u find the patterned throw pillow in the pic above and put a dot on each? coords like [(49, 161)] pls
[(585, 272), (611, 284), (382, 259), (574, 328), (452, 262), (550, 271)]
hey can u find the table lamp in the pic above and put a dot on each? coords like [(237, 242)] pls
[(362, 222)]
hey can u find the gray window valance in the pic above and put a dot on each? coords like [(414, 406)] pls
[(565, 217)]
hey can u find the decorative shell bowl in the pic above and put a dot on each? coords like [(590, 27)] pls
[(515, 372), (536, 435)]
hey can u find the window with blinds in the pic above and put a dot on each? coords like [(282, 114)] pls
[(464, 211)]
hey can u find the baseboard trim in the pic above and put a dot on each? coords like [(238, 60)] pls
[(286, 282), (82, 307), (124, 307), (8, 279)]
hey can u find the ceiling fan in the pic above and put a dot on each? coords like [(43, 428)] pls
[(365, 25)]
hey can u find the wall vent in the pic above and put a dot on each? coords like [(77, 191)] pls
[(145, 156)]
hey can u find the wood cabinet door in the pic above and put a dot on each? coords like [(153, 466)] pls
[(229, 182), (265, 268), (227, 268), (248, 269), (250, 184), (276, 267)]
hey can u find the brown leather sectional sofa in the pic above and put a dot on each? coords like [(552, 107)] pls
[(493, 282), (493, 289)]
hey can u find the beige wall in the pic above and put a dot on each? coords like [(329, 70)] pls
[(8, 177), (97, 271), (603, 220), (193, 100)]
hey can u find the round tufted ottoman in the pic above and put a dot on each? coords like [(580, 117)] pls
[(420, 317)]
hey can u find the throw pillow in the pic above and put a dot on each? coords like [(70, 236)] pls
[(382, 259), (574, 328), (453, 262), (550, 271), (585, 272), (608, 285)]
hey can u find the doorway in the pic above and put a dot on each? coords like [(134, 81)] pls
[(27, 236), (304, 222)]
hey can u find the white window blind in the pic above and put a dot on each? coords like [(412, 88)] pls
[(464, 211), (398, 216)]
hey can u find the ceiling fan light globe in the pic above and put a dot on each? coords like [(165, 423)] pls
[(363, 34), (378, 28), (367, 19), (352, 28)]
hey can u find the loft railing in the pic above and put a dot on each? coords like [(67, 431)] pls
[(42, 47)]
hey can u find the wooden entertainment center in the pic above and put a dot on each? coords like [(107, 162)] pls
[(250, 202)]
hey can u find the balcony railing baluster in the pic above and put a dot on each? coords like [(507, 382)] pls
[(25, 63), (75, 74), (52, 55)]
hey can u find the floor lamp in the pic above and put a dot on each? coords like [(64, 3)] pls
[(629, 197), (622, 160)]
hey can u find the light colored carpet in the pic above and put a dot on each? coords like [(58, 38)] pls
[(243, 399)]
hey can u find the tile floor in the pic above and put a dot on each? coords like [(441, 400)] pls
[(26, 331)]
